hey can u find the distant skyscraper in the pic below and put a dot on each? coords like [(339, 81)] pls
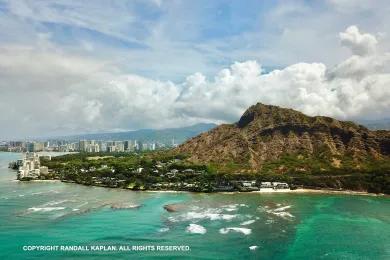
[(83, 145), (128, 145), (34, 147)]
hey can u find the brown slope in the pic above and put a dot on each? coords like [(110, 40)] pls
[(265, 133)]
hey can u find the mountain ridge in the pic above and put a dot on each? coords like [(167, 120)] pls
[(180, 134), (265, 133)]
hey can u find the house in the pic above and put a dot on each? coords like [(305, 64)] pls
[(280, 185), (266, 184), (248, 184), (223, 186)]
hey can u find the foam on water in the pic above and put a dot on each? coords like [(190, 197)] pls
[(210, 214), (55, 202), (280, 211), (164, 229), (282, 208), (231, 207), (196, 229), (245, 231), (283, 214), (45, 209), (248, 222)]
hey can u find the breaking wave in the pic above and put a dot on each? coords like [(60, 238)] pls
[(210, 214), (45, 209), (282, 208), (280, 211), (164, 229), (248, 222), (196, 229), (245, 231), (233, 207)]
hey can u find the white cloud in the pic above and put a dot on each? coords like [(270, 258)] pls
[(87, 15), (48, 91), (360, 44), (354, 88)]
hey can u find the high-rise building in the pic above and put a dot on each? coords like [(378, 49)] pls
[(34, 147), (83, 145), (119, 146), (128, 145)]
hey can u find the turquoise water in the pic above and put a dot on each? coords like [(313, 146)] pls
[(276, 226)]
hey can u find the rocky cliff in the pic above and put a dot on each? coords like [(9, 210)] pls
[(264, 133)]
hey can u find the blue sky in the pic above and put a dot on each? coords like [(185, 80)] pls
[(78, 52), (212, 34)]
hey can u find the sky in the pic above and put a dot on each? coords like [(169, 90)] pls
[(69, 67)]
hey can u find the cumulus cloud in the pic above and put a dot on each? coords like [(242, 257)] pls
[(55, 93), (360, 43), (356, 87)]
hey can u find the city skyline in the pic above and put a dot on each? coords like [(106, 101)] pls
[(84, 145), (70, 68)]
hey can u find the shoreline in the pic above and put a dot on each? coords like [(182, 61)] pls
[(26, 181), (324, 191), (264, 191)]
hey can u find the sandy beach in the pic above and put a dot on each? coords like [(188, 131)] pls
[(264, 190), (349, 192)]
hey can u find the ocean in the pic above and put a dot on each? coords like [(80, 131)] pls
[(56, 220)]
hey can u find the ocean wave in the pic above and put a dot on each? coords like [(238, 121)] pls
[(44, 192), (280, 211), (252, 248), (245, 231), (125, 206), (37, 193), (233, 207), (164, 229), (210, 214), (282, 208), (82, 204), (196, 229), (45, 209), (283, 214), (55, 202), (248, 222)]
